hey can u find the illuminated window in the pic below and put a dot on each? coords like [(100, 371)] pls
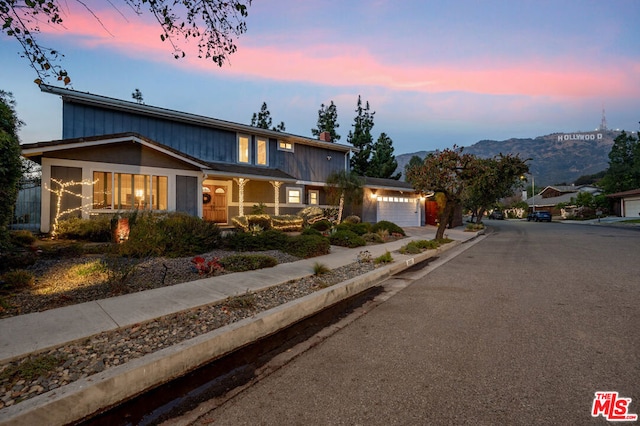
[(314, 197), (102, 190), (125, 191), (261, 152), (294, 195), (285, 146), (243, 149)]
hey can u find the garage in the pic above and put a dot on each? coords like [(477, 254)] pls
[(402, 211), (631, 207)]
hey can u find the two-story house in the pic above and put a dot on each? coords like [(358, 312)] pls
[(135, 156)]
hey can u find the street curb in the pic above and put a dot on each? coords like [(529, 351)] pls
[(87, 396)]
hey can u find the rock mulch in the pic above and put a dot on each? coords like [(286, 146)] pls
[(33, 375)]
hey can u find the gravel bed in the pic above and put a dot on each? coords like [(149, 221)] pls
[(68, 281), (33, 375)]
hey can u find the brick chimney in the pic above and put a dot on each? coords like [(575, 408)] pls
[(325, 136)]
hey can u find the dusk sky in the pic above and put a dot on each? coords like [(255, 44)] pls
[(435, 73)]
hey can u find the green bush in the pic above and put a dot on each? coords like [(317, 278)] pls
[(321, 225), (388, 226), (385, 258), (356, 228), (307, 246), (310, 231), (171, 235), (247, 262), (22, 238), (352, 219), (267, 240), (415, 247), (15, 280), (347, 239), (96, 229), (370, 237)]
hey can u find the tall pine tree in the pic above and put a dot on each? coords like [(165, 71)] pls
[(327, 121), (361, 138), (383, 163), (263, 119)]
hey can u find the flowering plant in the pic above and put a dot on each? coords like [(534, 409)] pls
[(203, 267)]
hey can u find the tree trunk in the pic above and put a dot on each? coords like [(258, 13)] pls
[(480, 215), (444, 219), (340, 208)]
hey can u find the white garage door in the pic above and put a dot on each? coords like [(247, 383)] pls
[(632, 208), (402, 211)]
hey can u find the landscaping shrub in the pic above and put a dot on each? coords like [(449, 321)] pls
[(307, 246), (389, 226), (352, 219), (247, 262), (267, 240), (22, 238), (311, 214), (287, 223), (171, 235), (356, 228), (370, 237), (385, 258), (417, 246), (97, 229), (15, 280), (321, 225), (320, 269), (347, 239), (310, 231)]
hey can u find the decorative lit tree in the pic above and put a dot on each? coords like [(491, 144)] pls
[(59, 192)]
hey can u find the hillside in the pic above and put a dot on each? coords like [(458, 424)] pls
[(556, 158)]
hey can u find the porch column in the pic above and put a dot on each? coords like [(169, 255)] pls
[(241, 183), (276, 195)]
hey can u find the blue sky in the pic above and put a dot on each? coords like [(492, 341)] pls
[(435, 73)]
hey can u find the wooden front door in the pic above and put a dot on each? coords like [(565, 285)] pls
[(214, 204)]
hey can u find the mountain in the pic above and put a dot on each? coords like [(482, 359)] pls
[(554, 159)]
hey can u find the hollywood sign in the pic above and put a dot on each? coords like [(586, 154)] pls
[(580, 137)]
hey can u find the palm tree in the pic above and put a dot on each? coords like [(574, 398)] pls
[(344, 187)]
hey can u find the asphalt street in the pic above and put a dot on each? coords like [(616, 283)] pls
[(521, 328)]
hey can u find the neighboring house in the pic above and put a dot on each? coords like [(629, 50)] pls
[(551, 196), (627, 203), (135, 156)]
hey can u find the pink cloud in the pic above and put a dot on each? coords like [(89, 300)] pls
[(349, 65)]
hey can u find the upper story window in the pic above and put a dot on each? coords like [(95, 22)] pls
[(285, 146), (243, 149), (261, 151)]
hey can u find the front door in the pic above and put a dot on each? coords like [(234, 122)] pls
[(214, 203)]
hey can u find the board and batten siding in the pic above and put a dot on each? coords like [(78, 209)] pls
[(201, 142), (187, 193)]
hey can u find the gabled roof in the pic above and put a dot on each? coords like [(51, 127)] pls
[(391, 184), (222, 169), (69, 95)]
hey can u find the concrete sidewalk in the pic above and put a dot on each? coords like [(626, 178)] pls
[(24, 334)]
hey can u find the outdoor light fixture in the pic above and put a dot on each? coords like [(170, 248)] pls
[(328, 158)]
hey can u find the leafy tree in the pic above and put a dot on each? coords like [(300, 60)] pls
[(327, 121), (361, 138), (590, 179), (263, 119), (10, 164), (493, 179), (344, 188), (447, 172), (624, 165), (213, 23), (414, 161), (137, 96), (383, 163)]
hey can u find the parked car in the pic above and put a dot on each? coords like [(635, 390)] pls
[(539, 216), (496, 214)]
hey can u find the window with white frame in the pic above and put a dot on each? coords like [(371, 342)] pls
[(261, 151), (285, 146), (126, 191), (294, 196), (314, 197), (243, 149)]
